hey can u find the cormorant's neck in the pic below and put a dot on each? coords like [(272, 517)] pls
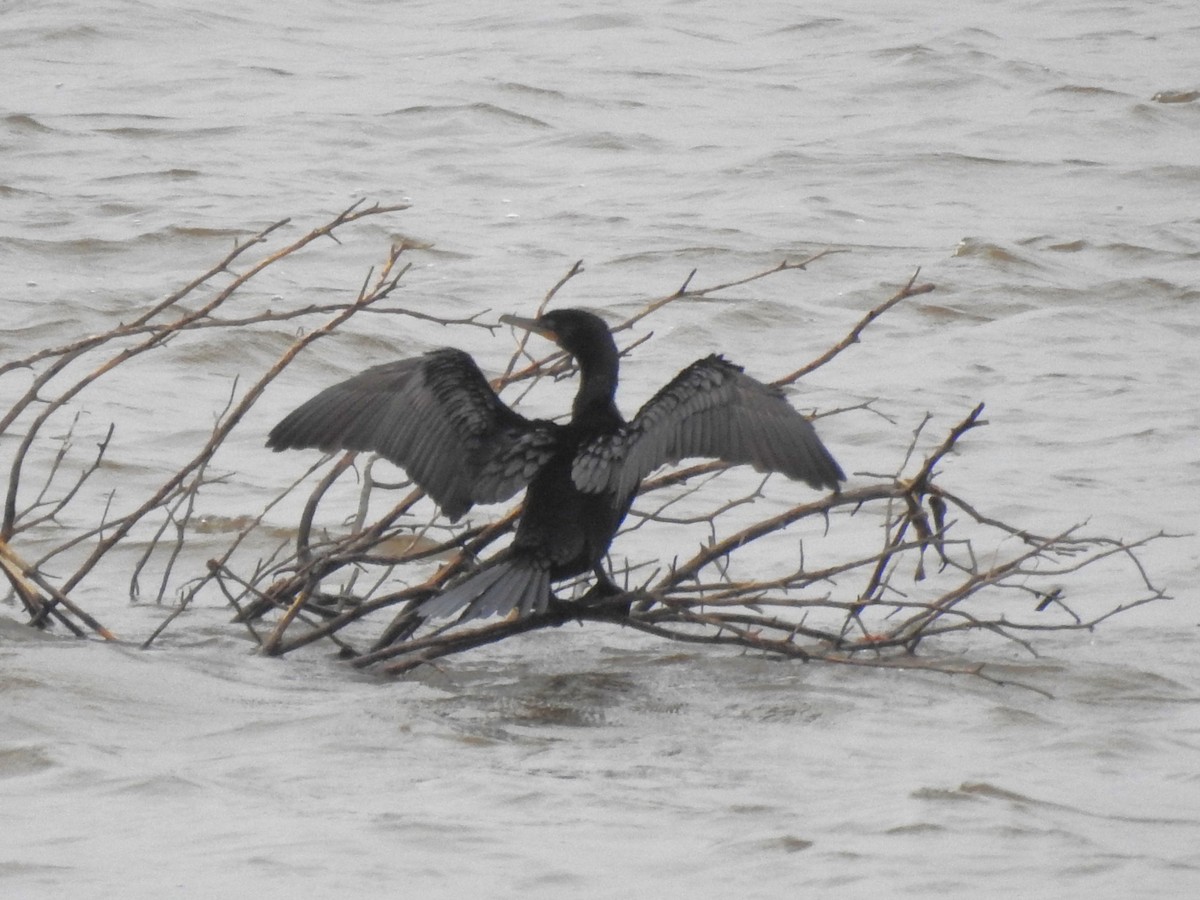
[(598, 370)]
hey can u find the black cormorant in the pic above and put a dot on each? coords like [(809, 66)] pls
[(437, 417)]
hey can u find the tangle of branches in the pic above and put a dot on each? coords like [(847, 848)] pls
[(868, 576)]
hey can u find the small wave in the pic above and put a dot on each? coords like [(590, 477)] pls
[(518, 88), (610, 141), (484, 110), (974, 791), (980, 249), (958, 159), (91, 247), (143, 132), (1176, 97), (79, 32), (1086, 89), (600, 21), (7, 190), (813, 24), (1069, 246), (163, 174), (26, 124), (21, 761)]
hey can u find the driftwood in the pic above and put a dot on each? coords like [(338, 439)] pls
[(868, 576)]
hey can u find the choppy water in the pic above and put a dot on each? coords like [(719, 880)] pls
[(1013, 150)]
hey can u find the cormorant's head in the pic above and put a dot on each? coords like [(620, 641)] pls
[(582, 334), (586, 337)]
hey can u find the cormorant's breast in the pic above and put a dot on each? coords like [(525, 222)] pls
[(567, 529)]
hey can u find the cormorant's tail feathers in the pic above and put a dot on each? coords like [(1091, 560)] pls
[(496, 591)]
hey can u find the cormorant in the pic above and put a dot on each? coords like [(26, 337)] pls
[(437, 417)]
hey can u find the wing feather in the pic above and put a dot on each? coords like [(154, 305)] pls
[(711, 409), (436, 417)]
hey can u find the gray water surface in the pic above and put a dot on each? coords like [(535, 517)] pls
[(1014, 151)]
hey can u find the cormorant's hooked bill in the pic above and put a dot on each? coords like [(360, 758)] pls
[(534, 325), (437, 417)]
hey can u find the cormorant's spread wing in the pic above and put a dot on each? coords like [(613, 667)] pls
[(710, 409), (435, 416)]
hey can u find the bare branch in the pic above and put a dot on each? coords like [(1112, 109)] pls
[(868, 576)]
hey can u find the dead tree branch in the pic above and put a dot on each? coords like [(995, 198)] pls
[(874, 575)]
